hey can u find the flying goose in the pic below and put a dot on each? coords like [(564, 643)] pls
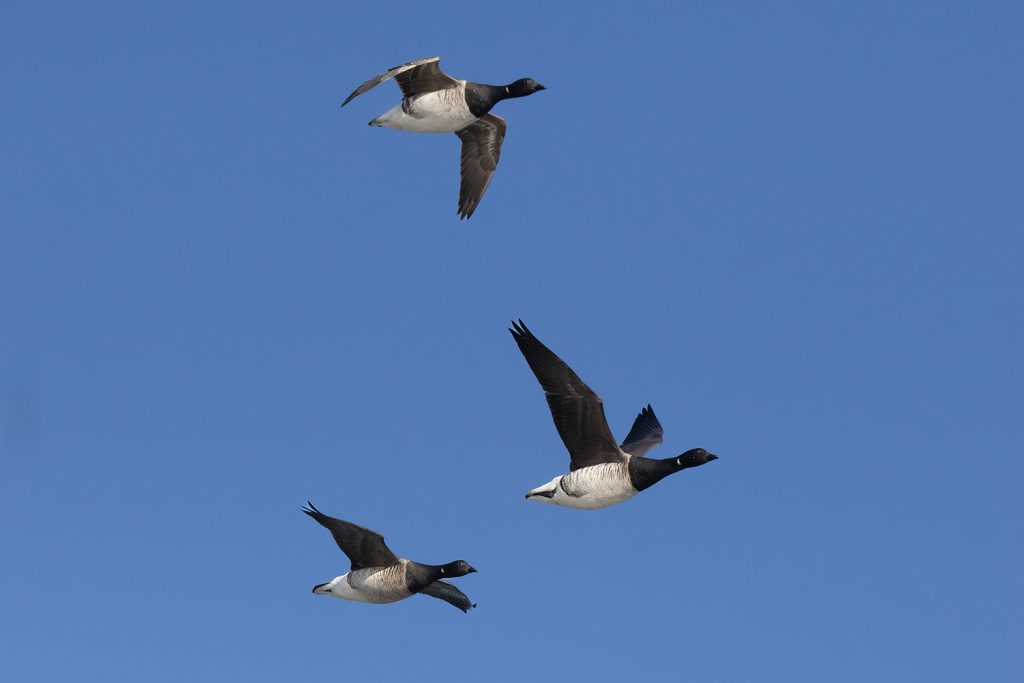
[(601, 472), (378, 576), (434, 102)]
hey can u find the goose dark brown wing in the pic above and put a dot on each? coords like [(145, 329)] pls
[(364, 548), (481, 148), (416, 77), (443, 590), (645, 434), (577, 411)]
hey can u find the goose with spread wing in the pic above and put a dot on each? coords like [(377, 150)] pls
[(378, 576), (601, 471), (434, 102)]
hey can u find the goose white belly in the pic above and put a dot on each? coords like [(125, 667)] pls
[(443, 111), (376, 585), (588, 488)]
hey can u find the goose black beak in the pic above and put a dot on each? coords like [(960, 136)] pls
[(712, 456), (541, 87), (471, 571)]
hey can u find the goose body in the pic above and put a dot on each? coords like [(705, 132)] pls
[(378, 576), (377, 585), (588, 488), (442, 111), (601, 471), (434, 102)]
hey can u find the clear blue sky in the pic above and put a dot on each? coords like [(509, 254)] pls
[(797, 230)]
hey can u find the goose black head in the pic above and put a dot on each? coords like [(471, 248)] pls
[(456, 569), (523, 87), (694, 458)]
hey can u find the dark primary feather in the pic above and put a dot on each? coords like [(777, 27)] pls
[(415, 77), (577, 411), (481, 147), (364, 548), (449, 593), (645, 434)]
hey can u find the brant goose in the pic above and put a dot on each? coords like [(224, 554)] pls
[(601, 473), (378, 576), (434, 102)]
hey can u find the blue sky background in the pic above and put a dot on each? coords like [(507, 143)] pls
[(795, 229)]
